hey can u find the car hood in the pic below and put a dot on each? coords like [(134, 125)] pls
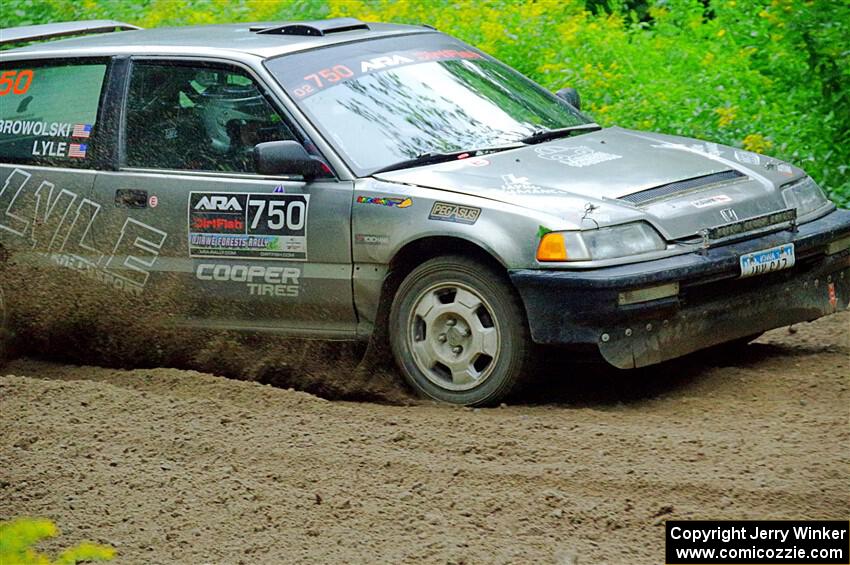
[(600, 170)]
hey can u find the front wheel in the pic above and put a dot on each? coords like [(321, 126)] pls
[(458, 332)]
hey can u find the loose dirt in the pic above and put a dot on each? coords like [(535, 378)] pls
[(173, 466)]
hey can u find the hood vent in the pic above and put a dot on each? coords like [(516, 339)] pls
[(665, 190)]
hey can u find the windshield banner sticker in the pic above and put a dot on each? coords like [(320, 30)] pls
[(579, 156), (267, 226), (358, 66)]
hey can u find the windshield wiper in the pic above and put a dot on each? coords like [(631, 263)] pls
[(432, 158), (542, 135)]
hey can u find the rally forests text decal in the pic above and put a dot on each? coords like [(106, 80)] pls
[(60, 222), (253, 225)]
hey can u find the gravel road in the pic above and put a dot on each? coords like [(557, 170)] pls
[(173, 466)]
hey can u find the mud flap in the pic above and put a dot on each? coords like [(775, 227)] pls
[(697, 327)]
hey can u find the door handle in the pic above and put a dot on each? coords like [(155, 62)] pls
[(131, 198)]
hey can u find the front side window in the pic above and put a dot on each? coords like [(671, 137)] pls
[(197, 118), (48, 112), (386, 100)]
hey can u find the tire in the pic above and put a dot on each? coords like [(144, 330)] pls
[(458, 332)]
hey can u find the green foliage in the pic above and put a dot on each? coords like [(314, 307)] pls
[(18, 536), (772, 76)]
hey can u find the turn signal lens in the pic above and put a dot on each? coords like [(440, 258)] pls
[(552, 248)]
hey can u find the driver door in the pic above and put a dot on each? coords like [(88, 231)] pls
[(223, 246)]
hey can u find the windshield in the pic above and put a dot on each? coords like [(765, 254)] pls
[(389, 100)]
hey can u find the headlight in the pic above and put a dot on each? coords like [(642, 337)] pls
[(805, 195), (603, 243)]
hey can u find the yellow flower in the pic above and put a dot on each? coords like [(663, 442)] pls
[(727, 115), (18, 536), (757, 142), (721, 33)]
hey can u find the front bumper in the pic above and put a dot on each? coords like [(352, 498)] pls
[(713, 305)]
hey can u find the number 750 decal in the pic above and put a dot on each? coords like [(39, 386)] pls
[(16, 82), (268, 226), (275, 214)]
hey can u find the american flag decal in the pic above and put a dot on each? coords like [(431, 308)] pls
[(77, 150), (81, 130)]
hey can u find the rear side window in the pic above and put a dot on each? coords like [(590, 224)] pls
[(48, 113), (203, 118)]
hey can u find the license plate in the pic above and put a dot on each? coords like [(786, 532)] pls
[(767, 260)]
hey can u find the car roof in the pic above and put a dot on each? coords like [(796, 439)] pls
[(209, 40)]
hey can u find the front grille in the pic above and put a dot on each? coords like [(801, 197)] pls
[(668, 189)]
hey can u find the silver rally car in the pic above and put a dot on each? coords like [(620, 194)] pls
[(346, 180)]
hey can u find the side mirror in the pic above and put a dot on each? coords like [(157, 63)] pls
[(286, 158), (570, 95)]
